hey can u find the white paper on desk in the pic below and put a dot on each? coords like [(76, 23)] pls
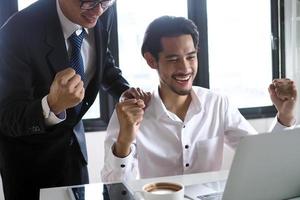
[(193, 191)]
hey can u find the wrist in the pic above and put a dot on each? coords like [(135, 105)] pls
[(286, 120), (52, 106), (121, 150)]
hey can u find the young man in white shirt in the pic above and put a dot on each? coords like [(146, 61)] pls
[(184, 128)]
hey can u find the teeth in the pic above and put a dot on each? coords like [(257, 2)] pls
[(182, 78)]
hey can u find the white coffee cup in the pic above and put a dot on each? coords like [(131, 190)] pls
[(161, 191)]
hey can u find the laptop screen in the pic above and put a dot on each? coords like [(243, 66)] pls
[(265, 166)]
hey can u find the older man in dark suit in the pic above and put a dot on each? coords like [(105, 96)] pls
[(46, 86)]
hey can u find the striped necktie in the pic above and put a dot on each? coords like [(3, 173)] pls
[(76, 61)]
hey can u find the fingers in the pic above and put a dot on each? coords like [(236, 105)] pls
[(128, 103), (66, 91), (131, 110), (64, 76), (132, 93), (71, 82), (137, 93), (284, 89), (147, 98), (74, 85)]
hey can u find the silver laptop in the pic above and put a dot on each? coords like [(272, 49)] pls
[(265, 167)]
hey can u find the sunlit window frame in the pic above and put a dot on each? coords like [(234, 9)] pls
[(198, 13)]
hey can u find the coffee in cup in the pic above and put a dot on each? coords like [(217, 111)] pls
[(163, 191)]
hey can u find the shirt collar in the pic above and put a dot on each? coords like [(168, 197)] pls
[(68, 27), (159, 109)]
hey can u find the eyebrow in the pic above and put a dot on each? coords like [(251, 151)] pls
[(175, 55)]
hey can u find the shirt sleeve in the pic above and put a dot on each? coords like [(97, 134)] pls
[(50, 117), (117, 169), (277, 126), (236, 126)]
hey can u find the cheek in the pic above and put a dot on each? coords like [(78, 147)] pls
[(165, 75), (194, 66)]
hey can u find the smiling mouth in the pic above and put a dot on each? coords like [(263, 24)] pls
[(182, 78), (90, 18)]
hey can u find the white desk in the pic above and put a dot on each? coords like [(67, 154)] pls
[(61, 193), (188, 179)]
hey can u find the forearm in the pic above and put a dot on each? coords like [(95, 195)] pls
[(113, 81), (116, 168), (121, 150), (49, 116), (287, 120), (278, 126)]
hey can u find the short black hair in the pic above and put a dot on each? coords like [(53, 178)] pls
[(167, 26)]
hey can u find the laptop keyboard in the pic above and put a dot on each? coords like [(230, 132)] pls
[(206, 191), (213, 196)]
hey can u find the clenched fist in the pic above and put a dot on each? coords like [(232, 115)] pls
[(130, 113), (66, 91), (283, 93)]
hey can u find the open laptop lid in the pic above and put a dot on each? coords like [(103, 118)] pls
[(265, 167)]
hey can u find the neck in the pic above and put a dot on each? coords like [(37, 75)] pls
[(175, 103)]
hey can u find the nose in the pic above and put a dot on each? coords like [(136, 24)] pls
[(184, 63)]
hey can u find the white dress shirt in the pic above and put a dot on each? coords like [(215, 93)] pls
[(88, 54), (166, 145)]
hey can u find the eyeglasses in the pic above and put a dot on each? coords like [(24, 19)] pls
[(88, 5)]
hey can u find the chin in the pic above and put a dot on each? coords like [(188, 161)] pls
[(88, 25), (183, 92)]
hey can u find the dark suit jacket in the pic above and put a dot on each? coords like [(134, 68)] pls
[(32, 51)]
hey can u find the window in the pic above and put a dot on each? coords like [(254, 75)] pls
[(240, 54), (237, 55), (24, 3)]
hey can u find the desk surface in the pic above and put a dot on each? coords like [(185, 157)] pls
[(96, 190), (124, 191)]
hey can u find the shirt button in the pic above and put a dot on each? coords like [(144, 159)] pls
[(187, 164), (87, 103), (183, 126), (186, 146), (122, 165)]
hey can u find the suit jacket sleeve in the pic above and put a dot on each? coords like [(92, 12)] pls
[(112, 81), (20, 109)]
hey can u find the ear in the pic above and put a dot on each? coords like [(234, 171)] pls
[(151, 61)]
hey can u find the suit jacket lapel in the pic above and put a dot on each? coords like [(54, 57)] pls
[(57, 53), (100, 38)]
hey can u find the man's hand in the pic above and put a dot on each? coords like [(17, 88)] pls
[(137, 93), (130, 114), (283, 94), (66, 91)]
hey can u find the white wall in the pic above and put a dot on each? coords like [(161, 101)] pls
[(95, 145)]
